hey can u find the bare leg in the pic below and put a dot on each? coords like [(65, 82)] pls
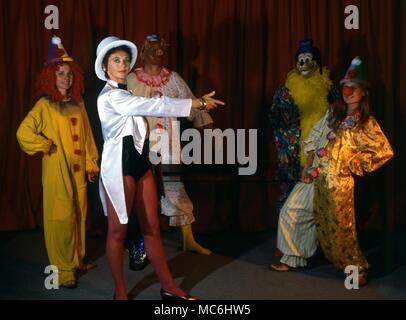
[(114, 249), (146, 205)]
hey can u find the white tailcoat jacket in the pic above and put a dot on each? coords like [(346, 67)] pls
[(121, 114)]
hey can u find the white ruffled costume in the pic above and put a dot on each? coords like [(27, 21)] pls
[(176, 203)]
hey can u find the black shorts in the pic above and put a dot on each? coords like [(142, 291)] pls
[(133, 163)]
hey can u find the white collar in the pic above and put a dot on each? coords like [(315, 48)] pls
[(112, 83), (115, 85)]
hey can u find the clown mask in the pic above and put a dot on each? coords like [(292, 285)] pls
[(305, 64), (154, 52)]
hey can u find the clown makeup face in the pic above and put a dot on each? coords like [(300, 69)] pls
[(154, 53), (305, 64), (353, 93), (64, 78), (118, 66)]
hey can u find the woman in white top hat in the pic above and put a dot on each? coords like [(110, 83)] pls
[(126, 180)]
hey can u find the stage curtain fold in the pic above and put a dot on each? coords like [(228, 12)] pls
[(243, 49)]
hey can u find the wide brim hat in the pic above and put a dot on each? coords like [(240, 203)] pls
[(105, 45), (356, 73)]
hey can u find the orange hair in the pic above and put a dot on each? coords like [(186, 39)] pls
[(46, 79)]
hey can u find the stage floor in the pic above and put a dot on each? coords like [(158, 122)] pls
[(237, 270)]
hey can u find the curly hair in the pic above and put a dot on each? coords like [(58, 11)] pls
[(46, 79)]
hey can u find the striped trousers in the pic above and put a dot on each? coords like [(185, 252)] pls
[(297, 235)]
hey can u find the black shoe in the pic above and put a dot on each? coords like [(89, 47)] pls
[(137, 258), (166, 295)]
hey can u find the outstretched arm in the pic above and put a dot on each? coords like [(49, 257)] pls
[(125, 103)]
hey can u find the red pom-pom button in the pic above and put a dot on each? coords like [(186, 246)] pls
[(313, 172), (74, 121), (76, 167), (75, 137), (322, 152)]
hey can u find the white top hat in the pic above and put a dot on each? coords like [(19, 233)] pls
[(107, 44)]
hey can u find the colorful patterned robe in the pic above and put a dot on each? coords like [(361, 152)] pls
[(285, 121)]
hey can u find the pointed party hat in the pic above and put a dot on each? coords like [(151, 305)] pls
[(56, 52), (356, 73)]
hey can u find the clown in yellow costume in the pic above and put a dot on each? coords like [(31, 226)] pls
[(352, 143), (58, 127)]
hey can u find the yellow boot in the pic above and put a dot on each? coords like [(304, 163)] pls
[(189, 243)]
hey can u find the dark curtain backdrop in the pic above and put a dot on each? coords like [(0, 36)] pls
[(243, 49)]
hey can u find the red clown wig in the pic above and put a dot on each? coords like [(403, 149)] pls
[(46, 82)]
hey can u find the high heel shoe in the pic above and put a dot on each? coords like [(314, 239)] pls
[(166, 295)]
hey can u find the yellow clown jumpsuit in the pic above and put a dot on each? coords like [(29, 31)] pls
[(363, 148), (63, 177)]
